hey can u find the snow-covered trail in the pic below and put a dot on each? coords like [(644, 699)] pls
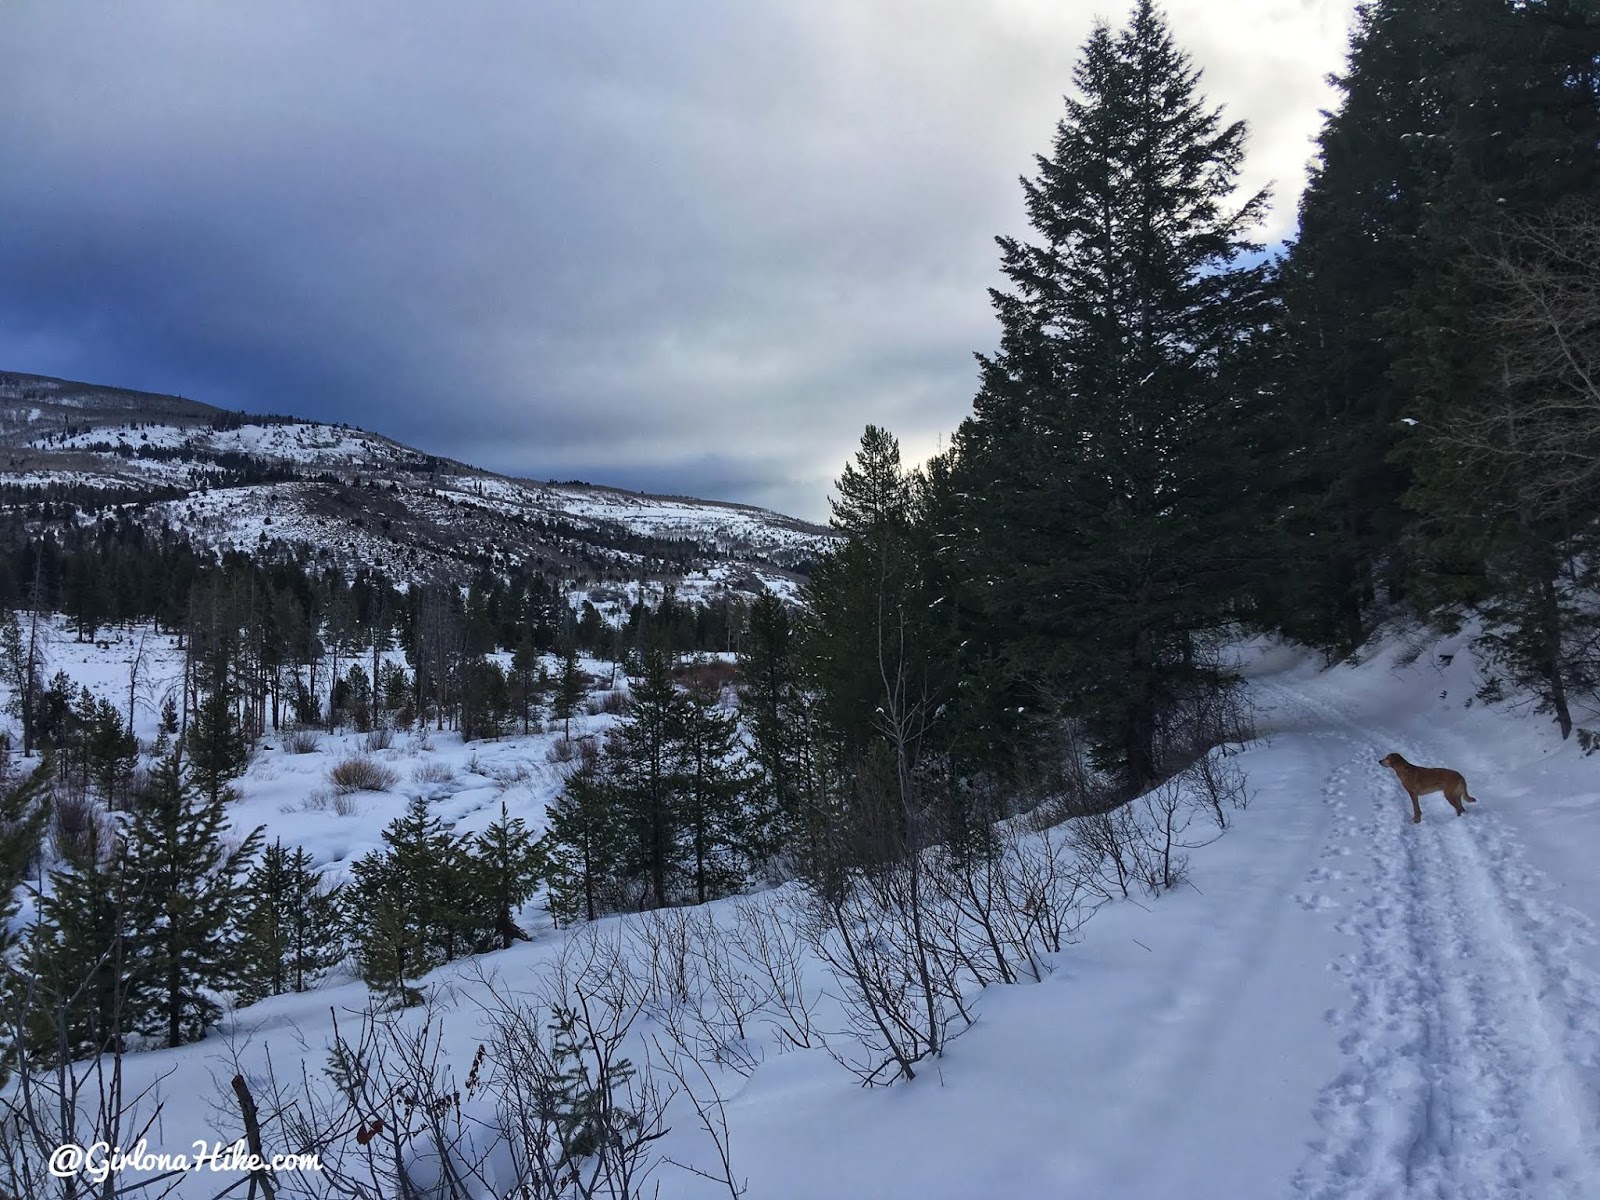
[(1345, 1006), (1471, 1035)]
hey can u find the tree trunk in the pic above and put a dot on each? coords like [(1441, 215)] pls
[(1551, 629)]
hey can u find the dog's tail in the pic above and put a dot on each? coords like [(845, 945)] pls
[(1471, 799)]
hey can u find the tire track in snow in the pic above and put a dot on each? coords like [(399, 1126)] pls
[(1472, 1036)]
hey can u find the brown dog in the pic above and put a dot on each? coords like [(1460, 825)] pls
[(1419, 781)]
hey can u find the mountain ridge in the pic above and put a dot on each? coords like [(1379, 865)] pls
[(275, 484)]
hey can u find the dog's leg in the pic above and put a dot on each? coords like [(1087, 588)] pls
[(1416, 808)]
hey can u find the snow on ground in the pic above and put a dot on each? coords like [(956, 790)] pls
[(727, 525), (307, 443), (241, 518), (87, 479), (1342, 1005)]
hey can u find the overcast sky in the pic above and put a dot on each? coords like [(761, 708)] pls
[(678, 247)]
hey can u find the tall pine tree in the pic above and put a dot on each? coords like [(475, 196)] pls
[(769, 697), (186, 888), (1344, 281), (1104, 522), (1504, 273), (646, 751), (585, 844), (715, 813)]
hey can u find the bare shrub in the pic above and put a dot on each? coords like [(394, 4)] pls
[(1001, 910), (614, 702), (1207, 716), (1051, 892), (380, 738), (302, 741), (1162, 817), (74, 826), (57, 1096), (564, 1099), (713, 675), (899, 988), (509, 775), (661, 939), (361, 774), (563, 750), (1217, 779), (1105, 845), (766, 939), (699, 992), (319, 800), (433, 772), (1070, 783), (344, 804), (1145, 842)]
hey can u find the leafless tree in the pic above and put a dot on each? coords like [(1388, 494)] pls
[(1542, 435)]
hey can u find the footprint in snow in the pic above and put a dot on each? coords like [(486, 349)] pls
[(1315, 902)]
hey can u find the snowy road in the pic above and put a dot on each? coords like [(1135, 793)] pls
[(1345, 1006), (1471, 1038)]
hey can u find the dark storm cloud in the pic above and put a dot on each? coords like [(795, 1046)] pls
[(689, 248)]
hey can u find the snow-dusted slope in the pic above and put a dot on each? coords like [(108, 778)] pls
[(360, 498), (1343, 1005)]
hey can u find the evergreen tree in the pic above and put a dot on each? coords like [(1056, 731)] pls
[(485, 702), (873, 497), (22, 660), (529, 682), (585, 844), (571, 688), (1354, 260), (353, 698), (463, 914), (768, 697), (79, 955), (388, 927), (218, 751), (396, 687), (646, 751), (110, 752), (53, 715), (166, 729), (509, 864), (291, 922), (1504, 270), (866, 647), (1104, 522), (186, 888), (411, 905), (715, 815)]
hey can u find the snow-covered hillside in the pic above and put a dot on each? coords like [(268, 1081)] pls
[(1340, 1004), (267, 485)]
